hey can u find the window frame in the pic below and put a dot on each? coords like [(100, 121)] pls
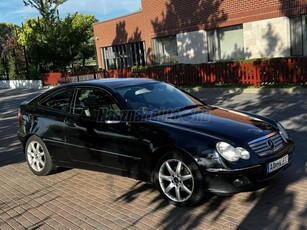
[(216, 33), (104, 91), (55, 93), (157, 56), (303, 35), (124, 55), (216, 43)]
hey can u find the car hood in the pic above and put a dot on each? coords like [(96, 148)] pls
[(218, 122)]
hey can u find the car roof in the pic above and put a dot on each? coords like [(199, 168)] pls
[(114, 82)]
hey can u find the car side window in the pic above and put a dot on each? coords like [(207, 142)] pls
[(95, 104), (60, 101)]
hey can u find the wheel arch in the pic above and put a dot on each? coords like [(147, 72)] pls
[(27, 137), (42, 156), (160, 153)]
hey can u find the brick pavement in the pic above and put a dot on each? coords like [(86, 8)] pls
[(80, 199)]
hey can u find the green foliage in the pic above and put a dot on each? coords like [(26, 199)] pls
[(47, 43), (134, 68), (12, 69), (54, 45), (138, 68), (3, 73), (78, 36), (12, 56), (34, 72), (5, 30)]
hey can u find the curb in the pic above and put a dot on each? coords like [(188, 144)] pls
[(248, 91)]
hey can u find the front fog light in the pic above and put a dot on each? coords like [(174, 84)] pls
[(231, 153)]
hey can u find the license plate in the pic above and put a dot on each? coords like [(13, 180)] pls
[(277, 164)]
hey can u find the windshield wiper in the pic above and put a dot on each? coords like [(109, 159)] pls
[(178, 109), (190, 107)]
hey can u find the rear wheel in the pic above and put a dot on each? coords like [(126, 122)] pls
[(179, 180), (38, 157)]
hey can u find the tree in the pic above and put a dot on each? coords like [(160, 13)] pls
[(47, 8), (56, 45), (12, 55), (79, 36), (4, 31)]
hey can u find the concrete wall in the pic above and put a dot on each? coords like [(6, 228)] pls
[(14, 84), (267, 38), (192, 47)]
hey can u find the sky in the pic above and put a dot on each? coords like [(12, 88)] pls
[(14, 11)]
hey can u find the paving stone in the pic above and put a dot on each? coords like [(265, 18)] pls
[(80, 199)]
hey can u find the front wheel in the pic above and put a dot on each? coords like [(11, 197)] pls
[(179, 180), (38, 157)]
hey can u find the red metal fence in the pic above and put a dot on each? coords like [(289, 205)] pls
[(277, 71)]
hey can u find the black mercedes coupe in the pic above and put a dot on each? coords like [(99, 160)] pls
[(154, 132)]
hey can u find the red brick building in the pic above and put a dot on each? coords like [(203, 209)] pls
[(201, 31)]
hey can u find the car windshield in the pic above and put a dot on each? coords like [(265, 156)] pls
[(157, 98)]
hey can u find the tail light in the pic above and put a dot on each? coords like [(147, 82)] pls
[(19, 116)]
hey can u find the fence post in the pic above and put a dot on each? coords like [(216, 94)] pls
[(256, 75)]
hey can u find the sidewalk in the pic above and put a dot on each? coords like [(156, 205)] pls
[(79, 199), (11, 98)]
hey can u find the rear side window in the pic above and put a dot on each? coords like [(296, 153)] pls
[(60, 101)]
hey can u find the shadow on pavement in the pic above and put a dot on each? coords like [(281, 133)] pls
[(10, 148), (270, 207), (25, 208)]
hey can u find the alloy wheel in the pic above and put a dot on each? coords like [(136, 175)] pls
[(36, 156), (176, 180)]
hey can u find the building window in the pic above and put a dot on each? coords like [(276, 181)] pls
[(213, 45), (123, 56), (226, 43), (165, 50), (298, 31)]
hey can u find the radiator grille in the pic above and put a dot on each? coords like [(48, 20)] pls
[(267, 145)]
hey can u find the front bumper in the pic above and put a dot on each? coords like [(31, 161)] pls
[(231, 181)]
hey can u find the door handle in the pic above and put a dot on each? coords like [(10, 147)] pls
[(70, 123)]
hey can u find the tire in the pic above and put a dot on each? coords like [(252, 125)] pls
[(179, 180), (38, 157)]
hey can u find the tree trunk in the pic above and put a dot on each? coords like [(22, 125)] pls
[(6, 69)]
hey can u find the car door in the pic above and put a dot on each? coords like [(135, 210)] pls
[(96, 135), (49, 122)]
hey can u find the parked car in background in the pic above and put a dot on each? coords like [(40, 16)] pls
[(154, 132)]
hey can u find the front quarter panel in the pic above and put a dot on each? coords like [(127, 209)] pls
[(197, 145)]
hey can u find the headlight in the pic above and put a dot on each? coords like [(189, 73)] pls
[(283, 132), (231, 153)]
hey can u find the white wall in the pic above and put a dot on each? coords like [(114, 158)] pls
[(14, 84), (192, 47), (262, 39), (267, 38)]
